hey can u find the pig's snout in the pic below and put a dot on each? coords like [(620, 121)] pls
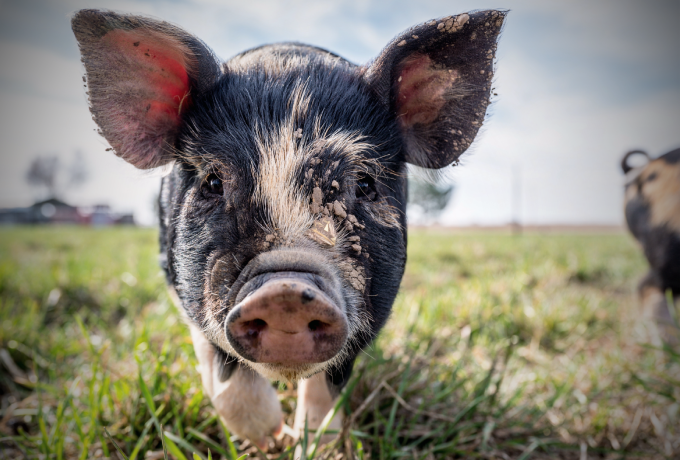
[(287, 321)]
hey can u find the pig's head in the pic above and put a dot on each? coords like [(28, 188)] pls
[(282, 220), (652, 209)]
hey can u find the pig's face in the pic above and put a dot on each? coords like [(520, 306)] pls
[(286, 212), (282, 222)]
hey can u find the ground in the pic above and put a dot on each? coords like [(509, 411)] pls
[(499, 346)]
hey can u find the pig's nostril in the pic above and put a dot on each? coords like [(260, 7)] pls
[(315, 325), (307, 296), (255, 326)]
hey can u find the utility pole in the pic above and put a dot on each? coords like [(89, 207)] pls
[(516, 224)]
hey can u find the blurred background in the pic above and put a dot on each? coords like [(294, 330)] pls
[(578, 84)]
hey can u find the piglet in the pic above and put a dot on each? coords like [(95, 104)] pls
[(652, 208), (282, 219)]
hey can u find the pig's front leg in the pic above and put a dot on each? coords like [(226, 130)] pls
[(656, 310), (317, 396), (313, 403), (245, 400)]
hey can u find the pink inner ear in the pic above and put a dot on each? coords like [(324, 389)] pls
[(157, 70), (421, 90)]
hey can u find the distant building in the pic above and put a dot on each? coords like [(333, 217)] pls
[(55, 211), (14, 216), (101, 215)]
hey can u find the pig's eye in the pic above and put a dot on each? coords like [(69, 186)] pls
[(366, 188), (213, 185)]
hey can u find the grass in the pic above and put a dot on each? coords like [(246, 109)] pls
[(498, 347)]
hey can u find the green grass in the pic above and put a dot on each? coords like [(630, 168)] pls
[(498, 347)]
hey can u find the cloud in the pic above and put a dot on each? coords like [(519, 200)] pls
[(36, 71), (567, 145)]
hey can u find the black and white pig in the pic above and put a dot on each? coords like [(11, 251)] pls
[(652, 207), (282, 223)]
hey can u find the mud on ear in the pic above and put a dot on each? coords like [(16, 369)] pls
[(142, 75), (436, 78)]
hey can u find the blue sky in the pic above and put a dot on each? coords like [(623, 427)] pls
[(579, 83)]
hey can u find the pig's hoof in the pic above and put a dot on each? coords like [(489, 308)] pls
[(261, 444), (279, 432)]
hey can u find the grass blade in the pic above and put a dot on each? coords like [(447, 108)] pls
[(163, 440), (149, 402), (170, 446), (140, 441), (230, 444), (213, 444), (532, 447), (184, 444), (115, 444)]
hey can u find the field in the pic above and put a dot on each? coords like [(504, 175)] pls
[(499, 346)]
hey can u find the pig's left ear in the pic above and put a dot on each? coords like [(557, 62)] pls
[(436, 79), (142, 75)]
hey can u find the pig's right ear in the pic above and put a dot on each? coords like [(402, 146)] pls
[(142, 75), (624, 161), (436, 80)]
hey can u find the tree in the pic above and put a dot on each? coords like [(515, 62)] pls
[(431, 196), (43, 172), (48, 171)]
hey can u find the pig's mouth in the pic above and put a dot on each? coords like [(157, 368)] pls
[(288, 316)]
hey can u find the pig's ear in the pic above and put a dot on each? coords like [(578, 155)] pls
[(624, 161), (436, 78), (142, 75)]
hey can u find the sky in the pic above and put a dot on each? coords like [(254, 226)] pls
[(579, 83)]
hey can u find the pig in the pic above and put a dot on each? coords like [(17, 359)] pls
[(282, 217), (652, 208)]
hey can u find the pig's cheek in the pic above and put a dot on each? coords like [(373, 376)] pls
[(198, 208), (246, 401)]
